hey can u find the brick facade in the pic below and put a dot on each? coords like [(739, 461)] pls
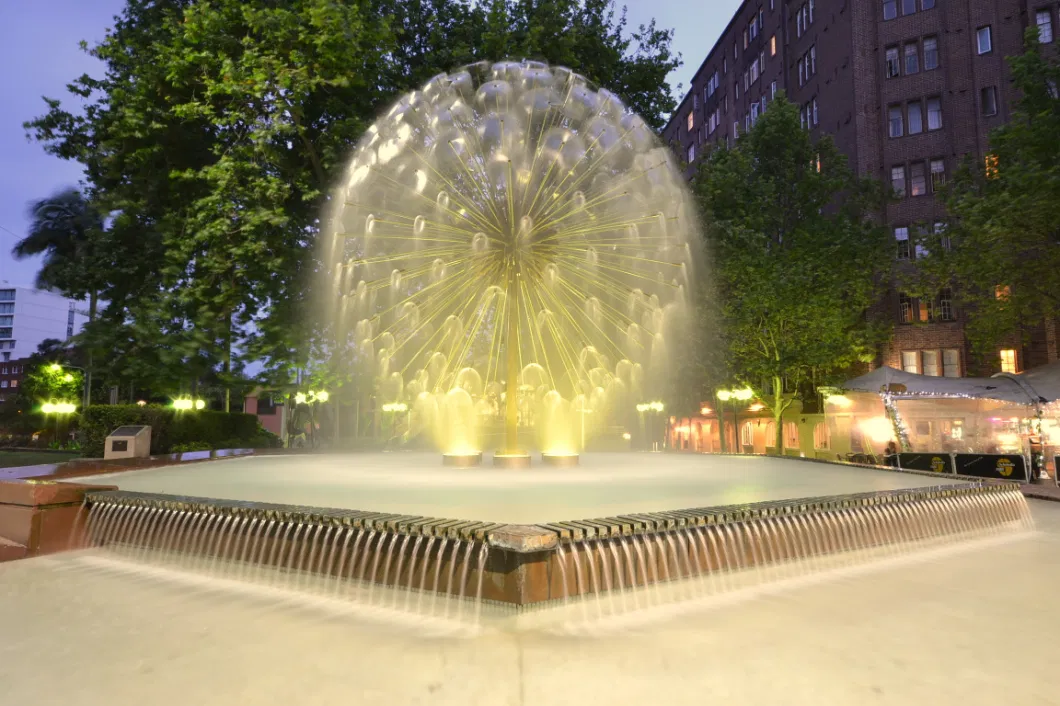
[(948, 107)]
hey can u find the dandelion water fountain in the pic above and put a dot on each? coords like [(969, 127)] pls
[(510, 244), (508, 255)]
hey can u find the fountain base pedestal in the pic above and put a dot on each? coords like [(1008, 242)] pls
[(511, 459), (462, 460), (560, 460)]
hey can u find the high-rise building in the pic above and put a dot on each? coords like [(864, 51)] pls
[(30, 316), (908, 89)]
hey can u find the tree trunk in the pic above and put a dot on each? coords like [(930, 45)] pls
[(778, 413), (228, 362), (93, 304)]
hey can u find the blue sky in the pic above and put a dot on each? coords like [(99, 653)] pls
[(40, 55)]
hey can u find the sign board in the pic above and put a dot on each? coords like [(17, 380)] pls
[(934, 462), (127, 431), (119, 445), (997, 466), (1056, 470)]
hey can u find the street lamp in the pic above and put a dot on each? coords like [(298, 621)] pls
[(186, 404), (58, 409), (393, 408), (742, 394), (650, 407), (57, 368)]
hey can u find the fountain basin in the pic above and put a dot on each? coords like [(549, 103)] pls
[(511, 460), (462, 460)]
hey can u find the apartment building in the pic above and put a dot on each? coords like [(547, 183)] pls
[(908, 89), (29, 316)]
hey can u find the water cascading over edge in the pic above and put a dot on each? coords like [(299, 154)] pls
[(510, 243)]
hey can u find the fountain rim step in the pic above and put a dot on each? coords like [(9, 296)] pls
[(546, 536)]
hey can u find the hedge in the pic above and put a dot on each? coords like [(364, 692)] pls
[(170, 428)]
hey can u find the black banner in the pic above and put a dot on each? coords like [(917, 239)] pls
[(998, 466), (937, 463), (1056, 470)]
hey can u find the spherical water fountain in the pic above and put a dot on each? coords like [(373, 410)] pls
[(510, 247)]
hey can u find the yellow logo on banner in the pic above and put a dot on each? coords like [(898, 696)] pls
[(1005, 467), (938, 465)]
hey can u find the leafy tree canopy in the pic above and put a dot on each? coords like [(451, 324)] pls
[(218, 126), (799, 258)]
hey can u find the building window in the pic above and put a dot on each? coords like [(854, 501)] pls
[(917, 179), (7, 295), (988, 100), (1008, 360), (815, 117), (895, 122), (773, 90), (811, 69), (691, 153), (946, 311), (984, 43), (893, 67), (916, 118), (1002, 292), (695, 101), (938, 174), (901, 236), (942, 237), (931, 53), (691, 121), (990, 162), (898, 181), (912, 59), (821, 437), (924, 312), (934, 111), (927, 4), (890, 9), (931, 363), (1044, 18), (5, 333), (911, 361), (951, 363), (791, 435), (905, 309), (773, 45), (7, 308), (14, 383)]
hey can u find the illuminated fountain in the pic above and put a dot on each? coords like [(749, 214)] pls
[(510, 247)]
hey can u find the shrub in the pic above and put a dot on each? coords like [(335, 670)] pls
[(169, 428), (190, 446)]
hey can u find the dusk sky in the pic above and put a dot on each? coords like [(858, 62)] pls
[(39, 50)]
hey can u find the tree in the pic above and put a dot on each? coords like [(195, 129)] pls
[(799, 258), (219, 126), (71, 233), (1000, 254)]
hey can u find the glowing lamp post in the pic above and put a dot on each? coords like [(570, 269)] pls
[(653, 408), (393, 409), (736, 396), (186, 404), (59, 409)]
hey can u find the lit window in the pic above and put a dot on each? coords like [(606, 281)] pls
[(984, 43), (747, 434), (917, 179), (934, 111), (946, 311), (691, 153), (894, 67), (14, 383), (951, 363), (991, 166), (931, 53), (1008, 360), (898, 181), (901, 236), (773, 45), (988, 100), (1002, 292), (938, 174), (895, 122), (911, 361), (912, 59), (691, 121), (821, 438), (890, 9), (931, 363), (791, 435), (3, 384), (924, 311), (916, 118), (1044, 18)]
